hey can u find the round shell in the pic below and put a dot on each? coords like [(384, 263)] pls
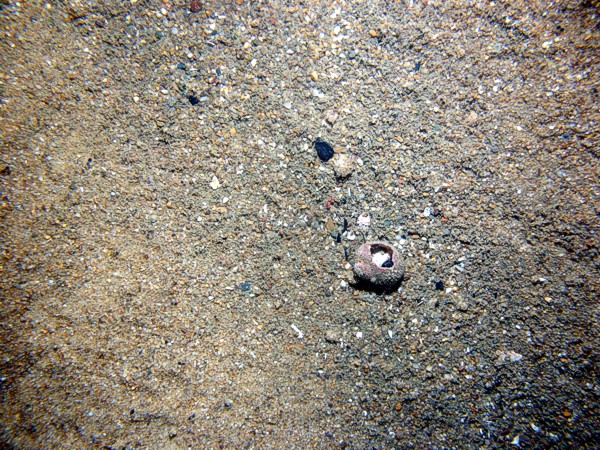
[(379, 264)]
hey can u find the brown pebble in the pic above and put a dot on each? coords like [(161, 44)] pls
[(330, 225), (398, 406), (196, 6)]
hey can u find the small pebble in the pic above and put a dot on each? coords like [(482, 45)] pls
[(343, 165), (215, 184), (331, 337), (439, 286), (193, 100), (195, 6), (245, 287), (324, 150), (331, 117)]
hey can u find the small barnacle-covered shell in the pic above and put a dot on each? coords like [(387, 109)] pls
[(379, 264)]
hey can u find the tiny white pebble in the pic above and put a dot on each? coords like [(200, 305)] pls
[(359, 335), (295, 328)]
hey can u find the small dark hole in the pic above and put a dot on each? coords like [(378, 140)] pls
[(380, 248)]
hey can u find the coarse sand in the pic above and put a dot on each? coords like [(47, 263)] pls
[(175, 270)]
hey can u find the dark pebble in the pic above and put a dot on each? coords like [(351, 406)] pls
[(245, 286), (324, 150), (181, 66), (387, 263), (439, 285), (193, 100)]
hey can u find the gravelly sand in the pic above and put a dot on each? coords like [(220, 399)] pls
[(171, 274)]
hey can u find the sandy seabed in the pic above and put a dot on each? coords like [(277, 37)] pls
[(175, 269)]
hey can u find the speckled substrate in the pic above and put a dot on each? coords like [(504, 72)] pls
[(144, 308)]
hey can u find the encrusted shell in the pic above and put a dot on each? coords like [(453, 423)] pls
[(379, 264)]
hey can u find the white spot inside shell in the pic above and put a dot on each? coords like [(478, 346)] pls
[(380, 257)]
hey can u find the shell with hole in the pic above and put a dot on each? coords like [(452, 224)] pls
[(379, 264)]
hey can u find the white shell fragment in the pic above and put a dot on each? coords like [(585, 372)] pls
[(298, 332), (364, 221), (215, 183)]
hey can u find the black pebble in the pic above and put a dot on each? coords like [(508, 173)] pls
[(338, 239), (193, 100), (387, 263), (439, 285), (345, 226), (324, 150), (245, 286)]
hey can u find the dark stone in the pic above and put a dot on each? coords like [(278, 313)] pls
[(181, 66), (245, 286), (324, 150), (193, 100), (439, 285)]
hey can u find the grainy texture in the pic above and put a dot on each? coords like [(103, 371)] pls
[(169, 276)]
